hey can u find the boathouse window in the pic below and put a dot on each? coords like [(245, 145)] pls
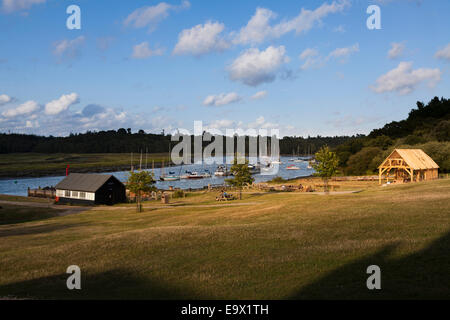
[(67, 193), (74, 194), (82, 195)]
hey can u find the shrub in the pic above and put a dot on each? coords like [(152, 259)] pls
[(364, 161), (383, 142), (178, 194), (413, 139), (442, 131), (439, 152), (277, 180)]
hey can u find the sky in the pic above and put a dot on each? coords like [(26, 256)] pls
[(305, 68)]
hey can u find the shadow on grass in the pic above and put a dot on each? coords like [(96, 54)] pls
[(31, 230), (113, 284), (421, 275)]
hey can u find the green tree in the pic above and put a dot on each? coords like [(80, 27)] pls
[(326, 165), (363, 162), (241, 175), (140, 182)]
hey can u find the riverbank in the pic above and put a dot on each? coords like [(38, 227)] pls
[(36, 165)]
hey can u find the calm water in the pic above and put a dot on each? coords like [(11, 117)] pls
[(19, 186)]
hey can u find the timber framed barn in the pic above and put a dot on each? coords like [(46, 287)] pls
[(90, 189), (408, 165)]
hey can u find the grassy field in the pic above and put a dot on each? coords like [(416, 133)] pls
[(36, 164), (10, 214), (267, 246)]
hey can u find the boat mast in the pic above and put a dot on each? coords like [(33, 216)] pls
[(131, 162), (146, 154)]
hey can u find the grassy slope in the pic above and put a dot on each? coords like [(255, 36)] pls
[(284, 246), (36, 164), (10, 214)]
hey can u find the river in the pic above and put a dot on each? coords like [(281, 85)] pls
[(19, 186)]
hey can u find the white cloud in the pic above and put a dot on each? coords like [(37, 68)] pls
[(63, 103), (9, 6), (31, 124), (240, 127), (259, 29), (261, 123), (221, 99), (312, 59), (201, 39), (68, 48), (344, 53), (444, 53), (220, 124), (4, 99), (142, 51), (254, 67), (25, 108), (152, 15), (308, 53), (404, 79), (28, 119), (396, 50), (259, 95)]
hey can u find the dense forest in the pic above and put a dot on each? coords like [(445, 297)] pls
[(427, 127), (124, 141)]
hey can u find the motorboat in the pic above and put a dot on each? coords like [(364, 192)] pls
[(222, 171), (170, 178), (196, 175), (254, 168), (292, 168)]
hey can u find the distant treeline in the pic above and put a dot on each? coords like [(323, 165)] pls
[(124, 141), (427, 127)]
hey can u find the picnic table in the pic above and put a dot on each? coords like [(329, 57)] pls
[(223, 196)]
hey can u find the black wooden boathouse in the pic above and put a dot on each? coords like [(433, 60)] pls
[(79, 188)]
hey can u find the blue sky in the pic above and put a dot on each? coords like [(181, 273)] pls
[(303, 67)]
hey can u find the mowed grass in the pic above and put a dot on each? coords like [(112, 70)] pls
[(10, 214), (38, 164), (278, 246)]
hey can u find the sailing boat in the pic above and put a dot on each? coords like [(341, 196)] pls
[(171, 176), (311, 160)]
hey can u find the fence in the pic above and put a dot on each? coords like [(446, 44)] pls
[(42, 193)]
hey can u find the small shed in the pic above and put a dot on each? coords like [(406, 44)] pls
[(90, 189), (409, 165)]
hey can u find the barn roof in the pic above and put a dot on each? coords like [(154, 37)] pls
[(415, 158), (84, 182)]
